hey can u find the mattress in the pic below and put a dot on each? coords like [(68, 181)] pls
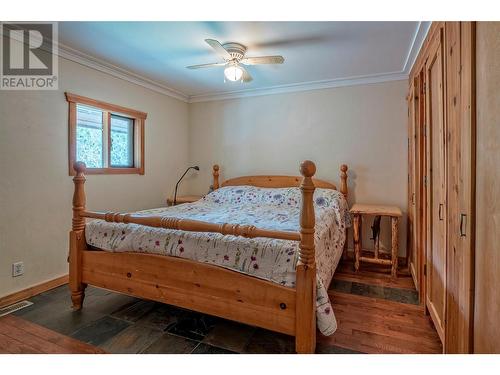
[(270, 259)]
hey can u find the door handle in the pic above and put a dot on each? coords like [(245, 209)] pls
[(440, 211), (463, 225)]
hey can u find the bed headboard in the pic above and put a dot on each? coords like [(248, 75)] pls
[(280, 181)]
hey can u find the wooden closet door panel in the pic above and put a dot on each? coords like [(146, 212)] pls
[(452, 50), (410, 250), (421, 199), (460, 45), (467, 192), (436, 250), (487, 260), (413, 180)]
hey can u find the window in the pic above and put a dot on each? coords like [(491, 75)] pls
[(108, 138)]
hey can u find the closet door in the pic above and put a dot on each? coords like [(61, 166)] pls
[(411, 215), (417, 193), (412, 249), (465, 231), (421, 173), (460, 120), (436, 186), (487, 259)]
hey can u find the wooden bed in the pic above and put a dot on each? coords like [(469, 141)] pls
[(202, 287)]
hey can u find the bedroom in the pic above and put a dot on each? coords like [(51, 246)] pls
[(290, 205)]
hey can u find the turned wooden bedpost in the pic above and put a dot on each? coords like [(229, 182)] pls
[(215, 174), (344, 190), (305, 319), (343, 180), (77, 238)]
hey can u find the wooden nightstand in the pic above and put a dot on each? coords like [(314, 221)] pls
[(183, 199), (360, 210)]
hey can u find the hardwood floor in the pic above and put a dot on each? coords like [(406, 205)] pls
[(381, 316), (375, 314), (19, 336), (371, 325), (374, 274)]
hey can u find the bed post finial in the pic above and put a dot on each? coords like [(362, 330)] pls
[(307, 220), (305, 313), (343, 180), (79, 196), (215, 173)]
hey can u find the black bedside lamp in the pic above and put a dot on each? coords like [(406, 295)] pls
[(180, 179)]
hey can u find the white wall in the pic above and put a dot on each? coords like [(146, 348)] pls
[(363, 126), (35, 189)]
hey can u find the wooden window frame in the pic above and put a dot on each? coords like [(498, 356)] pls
[(108, 109)]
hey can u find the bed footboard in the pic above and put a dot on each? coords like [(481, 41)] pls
[(195, 286)]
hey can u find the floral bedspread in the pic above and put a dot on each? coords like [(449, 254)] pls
[(269, 259)]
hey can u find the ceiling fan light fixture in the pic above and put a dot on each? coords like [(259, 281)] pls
[(233, 73), (235, 61)]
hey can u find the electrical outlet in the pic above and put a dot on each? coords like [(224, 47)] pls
[(17, 269)]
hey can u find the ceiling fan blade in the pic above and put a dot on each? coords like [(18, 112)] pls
[(221, 51), (263, 60), (246, 76), (205, 65)]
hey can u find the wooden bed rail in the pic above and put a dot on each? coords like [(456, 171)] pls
[(248, 231)]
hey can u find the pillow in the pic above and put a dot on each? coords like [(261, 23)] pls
[(288, 197), (233, 195)]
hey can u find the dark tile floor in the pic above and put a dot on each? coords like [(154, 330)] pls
[(376, 291), (123, 324)]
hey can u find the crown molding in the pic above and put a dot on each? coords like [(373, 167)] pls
[(416, 44), (302, 86), (92, 62), (79, 57)]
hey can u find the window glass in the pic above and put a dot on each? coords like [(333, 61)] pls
[(122, 141), (89, 128)]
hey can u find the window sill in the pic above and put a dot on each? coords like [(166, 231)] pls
[(88, 171)]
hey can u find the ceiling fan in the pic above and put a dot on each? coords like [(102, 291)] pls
[(234, 59)]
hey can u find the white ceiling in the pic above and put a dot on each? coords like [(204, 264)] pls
[(317, 54)]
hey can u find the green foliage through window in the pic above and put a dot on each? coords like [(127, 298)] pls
[(91, 139)]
